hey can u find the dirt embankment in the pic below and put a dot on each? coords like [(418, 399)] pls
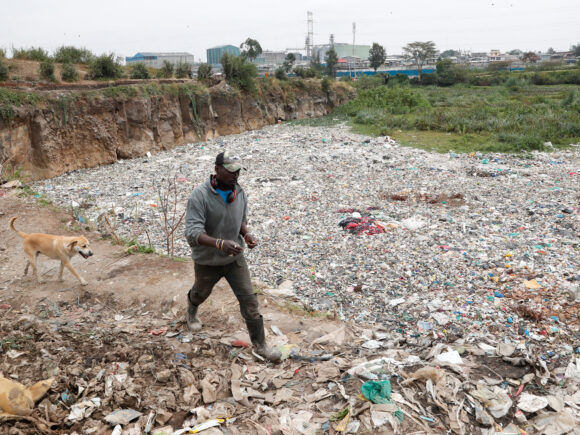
[(68, 129)]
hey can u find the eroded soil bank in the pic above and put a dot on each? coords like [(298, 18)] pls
[(50, 132)]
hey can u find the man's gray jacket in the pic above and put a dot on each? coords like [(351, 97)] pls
[(208, 213)]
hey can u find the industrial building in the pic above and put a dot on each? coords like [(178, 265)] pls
[(343, 50), (214, 54), (155, 60)]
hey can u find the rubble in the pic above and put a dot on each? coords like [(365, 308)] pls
[(464, 302)]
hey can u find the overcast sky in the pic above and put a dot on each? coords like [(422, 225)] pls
[(126, 27)]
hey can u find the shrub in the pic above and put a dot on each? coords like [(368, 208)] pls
[(70, 54), (368, 82), (2, 53), (69, 73), (183, 70), (105, 67), (515, 84), (3, 71), (429, 79), (280, 74), (306, 73), (239, 73), (31, 53), (325, 85), (139, 71), (204, 71), (166, 70), (46, 70), (399, 80)]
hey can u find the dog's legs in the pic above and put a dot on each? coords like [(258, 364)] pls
[(34, 269), (67, 264), (26, 268), (60, 271)]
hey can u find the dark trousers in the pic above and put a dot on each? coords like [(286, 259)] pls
[(237, 275)]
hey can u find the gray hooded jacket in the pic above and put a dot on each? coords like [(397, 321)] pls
[(208, 213)]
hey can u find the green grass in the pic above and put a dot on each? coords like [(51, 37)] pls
[(518, 117), (11, 99)]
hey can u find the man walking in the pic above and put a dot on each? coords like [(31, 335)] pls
[(215, 228)]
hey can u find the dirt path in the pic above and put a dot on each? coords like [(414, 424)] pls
[(130, 312)]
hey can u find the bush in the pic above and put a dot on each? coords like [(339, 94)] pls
[(204, 71), (166, 70), (368, 82), (139, 71), (2, 53), (325, 85), (183, 70), (70, 54), (31, 53), (399, 80), (105, 67), (306, 73), (430, 79), (280, 74), (46, 70), (239, 73), (3, 71), (515, 84), (69, 73)]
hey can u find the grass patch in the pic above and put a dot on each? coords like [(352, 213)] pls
[(518, 117)]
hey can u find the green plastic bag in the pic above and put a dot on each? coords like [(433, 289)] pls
[(377, 391)]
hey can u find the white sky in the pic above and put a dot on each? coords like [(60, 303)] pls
[(126, 27)]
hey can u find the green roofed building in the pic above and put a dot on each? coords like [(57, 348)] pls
[(215, 54)]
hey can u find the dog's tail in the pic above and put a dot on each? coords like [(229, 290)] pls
[(20, 233)]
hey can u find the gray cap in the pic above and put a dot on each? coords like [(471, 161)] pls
[(231, 163)]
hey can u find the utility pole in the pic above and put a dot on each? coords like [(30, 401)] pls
[(353, 39), (310, 36)]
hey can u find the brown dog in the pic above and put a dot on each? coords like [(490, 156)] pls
[(57, 247)]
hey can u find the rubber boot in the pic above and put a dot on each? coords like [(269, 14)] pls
[(258, 337), (193, 323)]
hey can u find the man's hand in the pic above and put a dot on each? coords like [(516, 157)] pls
[(250, 240), (231, 248)]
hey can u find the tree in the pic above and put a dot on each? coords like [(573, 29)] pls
[(204, 71), (289, 62), (377, 56), (515, 52), (530, 56), (331, 61), (576, 49), (238, 72), (419, 52), (139, 71), (551, 51), (450, 53), (166, 70), (183, 70), (251, 49), (315, 63)]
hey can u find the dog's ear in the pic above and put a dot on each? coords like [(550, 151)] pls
[(72, 244)]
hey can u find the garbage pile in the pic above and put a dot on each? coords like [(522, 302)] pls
[(131, 371), (471, 289)]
